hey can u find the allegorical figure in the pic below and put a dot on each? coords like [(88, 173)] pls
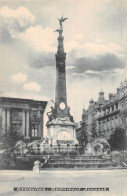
[(61, 20), (52, 114)]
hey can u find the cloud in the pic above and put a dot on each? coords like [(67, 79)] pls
[(39, 39), (113, 16), (32, 86), (100, 63), (97, 41), (15, 21), (78, 36), (97, 49), (92, 72), (72, 45), (5, 36), (27, 96), (40, 60), (19, 78), (21, 16), (93, 57), (93, 48), (70, 67)]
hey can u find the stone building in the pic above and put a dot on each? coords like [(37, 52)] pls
[(25, 115), (104, 116), (79, 131)]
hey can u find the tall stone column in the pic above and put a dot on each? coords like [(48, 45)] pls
[(4, 119), (23, 122), (27, 124), (40, 127), (8, 117)]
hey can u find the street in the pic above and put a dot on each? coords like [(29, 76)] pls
[(115, 180)]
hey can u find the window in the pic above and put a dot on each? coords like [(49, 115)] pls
[(34, 130), (35, 113)]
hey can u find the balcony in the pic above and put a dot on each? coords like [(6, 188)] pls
[(110, 114)]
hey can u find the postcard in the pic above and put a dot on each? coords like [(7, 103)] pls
[(63, 97)]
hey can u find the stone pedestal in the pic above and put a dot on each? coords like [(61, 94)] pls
[(61, 131), (36, 168)]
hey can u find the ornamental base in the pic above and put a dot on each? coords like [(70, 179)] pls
[(61, 131)]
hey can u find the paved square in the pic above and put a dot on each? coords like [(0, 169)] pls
[(116, 180)]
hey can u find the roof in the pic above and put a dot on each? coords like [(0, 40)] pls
[(23, 101)]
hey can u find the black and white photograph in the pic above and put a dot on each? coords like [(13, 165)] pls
[(63, 97)]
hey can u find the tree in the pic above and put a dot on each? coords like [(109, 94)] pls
[(83, 138), (93, 131), (8, 139), (118, 140)]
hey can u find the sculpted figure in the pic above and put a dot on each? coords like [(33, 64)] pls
[(61, 20), (52, 114)]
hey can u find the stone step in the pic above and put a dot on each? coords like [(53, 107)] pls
[(80, 161), (83, 161), (78, 165), (76, 157)]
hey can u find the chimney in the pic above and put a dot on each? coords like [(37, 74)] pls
[(101, 98), (91, 102), (110, 96), (118, 91)]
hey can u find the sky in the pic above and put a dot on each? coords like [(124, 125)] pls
[(95, 43)]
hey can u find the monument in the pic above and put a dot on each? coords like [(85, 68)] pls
[(61, 127)]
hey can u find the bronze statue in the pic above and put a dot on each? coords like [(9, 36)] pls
[(61, 20), (52, 114)]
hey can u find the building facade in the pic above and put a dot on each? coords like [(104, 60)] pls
[(104, 116), (23, 115)]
